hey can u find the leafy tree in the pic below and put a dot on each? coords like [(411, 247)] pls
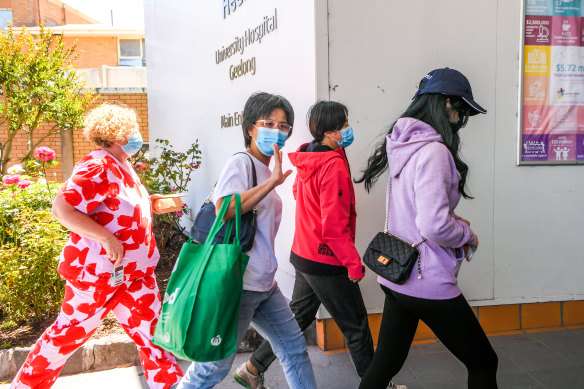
[(38, 84)]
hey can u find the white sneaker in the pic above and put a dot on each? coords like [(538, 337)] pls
[(394, 386)]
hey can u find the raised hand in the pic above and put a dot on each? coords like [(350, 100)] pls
[(278, 177)]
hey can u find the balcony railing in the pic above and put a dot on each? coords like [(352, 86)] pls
[(115, 77)]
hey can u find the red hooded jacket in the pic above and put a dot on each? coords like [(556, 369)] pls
[(325, 210)]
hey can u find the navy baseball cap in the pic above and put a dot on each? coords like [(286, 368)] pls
[(450, 82)]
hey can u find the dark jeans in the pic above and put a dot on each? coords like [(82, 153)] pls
[(453, 322), (342, 299)]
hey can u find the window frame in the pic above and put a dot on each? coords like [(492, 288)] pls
[(11, 16), (142, 56)]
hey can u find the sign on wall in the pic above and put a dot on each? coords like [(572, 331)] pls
[(552, 122)]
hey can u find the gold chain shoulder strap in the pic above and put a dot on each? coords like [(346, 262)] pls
[(415, 245), (387, 217)]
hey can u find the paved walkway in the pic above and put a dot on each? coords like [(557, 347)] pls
[(552, 360)]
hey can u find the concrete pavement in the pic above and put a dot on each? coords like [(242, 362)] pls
[(549, 360)]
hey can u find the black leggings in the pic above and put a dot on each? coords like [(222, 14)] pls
[(453, 322)]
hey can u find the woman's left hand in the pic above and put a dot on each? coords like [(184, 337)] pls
[(114, 249), (278, 177)]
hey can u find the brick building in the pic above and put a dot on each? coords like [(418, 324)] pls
[(32, 13), (111, 59)]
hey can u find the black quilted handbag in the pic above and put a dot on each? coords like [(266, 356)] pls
[(206, 216), (391, 257)]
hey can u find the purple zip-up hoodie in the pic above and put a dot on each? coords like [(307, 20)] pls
[(424, 194)]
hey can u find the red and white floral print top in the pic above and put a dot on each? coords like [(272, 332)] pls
[(114, 197)]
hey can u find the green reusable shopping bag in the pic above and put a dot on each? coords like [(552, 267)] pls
[(198, 321)]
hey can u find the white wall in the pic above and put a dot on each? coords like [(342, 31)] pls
[(370, 55), (188, 91), (539, 212), (529, 219)]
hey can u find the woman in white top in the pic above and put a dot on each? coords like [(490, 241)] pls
[(267, 123)]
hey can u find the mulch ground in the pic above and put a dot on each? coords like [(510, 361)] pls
[(27, 335)]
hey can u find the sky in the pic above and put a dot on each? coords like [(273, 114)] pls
[(126, 13)]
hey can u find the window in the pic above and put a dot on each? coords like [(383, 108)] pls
[(132, 52), (50, 23), (5, 17)]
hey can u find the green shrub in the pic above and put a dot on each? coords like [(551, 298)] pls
[(169, 172), (30, 287), (13, 200), (31, 240)]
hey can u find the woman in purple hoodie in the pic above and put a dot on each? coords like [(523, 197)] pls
[(427, 177)]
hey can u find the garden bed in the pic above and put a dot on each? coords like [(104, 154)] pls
[(27, 335)]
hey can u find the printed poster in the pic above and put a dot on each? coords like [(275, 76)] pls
[(552, 125)]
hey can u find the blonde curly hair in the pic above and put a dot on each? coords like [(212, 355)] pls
[(109, 123)]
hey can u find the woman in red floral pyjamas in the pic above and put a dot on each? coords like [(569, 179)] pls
[(108, 263)]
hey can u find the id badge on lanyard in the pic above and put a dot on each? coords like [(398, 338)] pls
[(118, 275)]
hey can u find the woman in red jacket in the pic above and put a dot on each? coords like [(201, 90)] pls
[(328, 266)]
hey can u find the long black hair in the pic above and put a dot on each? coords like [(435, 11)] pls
[(431, 109)]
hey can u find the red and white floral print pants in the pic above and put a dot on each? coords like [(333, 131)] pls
[(136, 305)]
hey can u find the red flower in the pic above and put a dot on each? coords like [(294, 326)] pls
[(92, 205), (70, 336), (72, 197), (66, 307), (88, 190), (102, 218), (112, 203), (71, 253), (11, 179), (91, 269), (130, 268), (135, 286), (45, 154), (167, 377), (149, 282), (75, 238), (24, 184)]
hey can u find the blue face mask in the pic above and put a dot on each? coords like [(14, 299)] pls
[(347, 134), (134, 144), (267, 138)]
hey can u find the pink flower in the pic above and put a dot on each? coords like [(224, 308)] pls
[(11, 179), (141, 166), (173, 190), (179, 213), (45, 154), (24, 184)]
